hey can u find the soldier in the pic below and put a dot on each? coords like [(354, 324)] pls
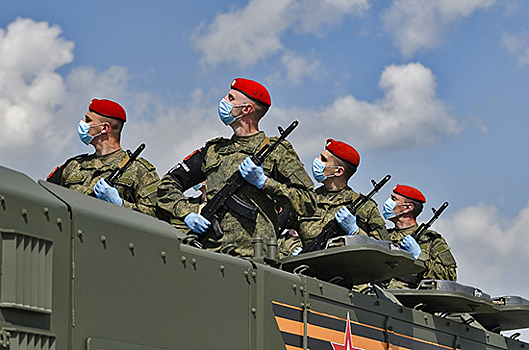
[(333, 168), (101, 128), (281, 181), (402, 208)]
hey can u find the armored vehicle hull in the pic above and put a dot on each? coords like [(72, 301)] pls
[(80, 273)]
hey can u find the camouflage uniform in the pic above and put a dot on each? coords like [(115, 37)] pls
[(436, 255), (288, 185), (137, 185), (368, 218)]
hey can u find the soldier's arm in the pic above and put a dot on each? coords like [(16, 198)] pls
[(290, 185), (61, 172), (145, 187), (171, 203), (439, 261), (371, 223)]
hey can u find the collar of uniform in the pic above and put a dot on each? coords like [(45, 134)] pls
[(401, 233), (345, 196), (106, 161), (244, 144)]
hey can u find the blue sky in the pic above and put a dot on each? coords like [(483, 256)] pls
[(432, 92)]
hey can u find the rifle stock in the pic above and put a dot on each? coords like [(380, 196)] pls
[(332, 228)]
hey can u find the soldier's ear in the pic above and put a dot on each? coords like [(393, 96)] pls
[(106, 127), (249, 108)]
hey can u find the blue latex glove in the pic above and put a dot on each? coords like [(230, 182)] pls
[(346, 220), (107, 193), (252, 173), (296, 251), (197, 223), (410, 245)]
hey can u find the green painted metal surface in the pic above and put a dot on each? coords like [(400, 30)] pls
[(80, 273)]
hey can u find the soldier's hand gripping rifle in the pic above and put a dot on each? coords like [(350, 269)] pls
[(425, 226), (333, 229), (216, 206), (116, 173)]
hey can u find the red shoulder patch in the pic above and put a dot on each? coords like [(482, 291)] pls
[(192, 153), (53, 172)]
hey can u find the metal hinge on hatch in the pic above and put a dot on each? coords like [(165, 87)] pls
[(5, 336)]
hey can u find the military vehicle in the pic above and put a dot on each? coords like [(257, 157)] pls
[(80, 273)]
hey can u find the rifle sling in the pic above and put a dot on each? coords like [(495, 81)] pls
[(124, 162)]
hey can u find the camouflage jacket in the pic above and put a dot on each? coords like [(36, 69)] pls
[(436, 255), (368, 217), (288, 185), (137, 186)]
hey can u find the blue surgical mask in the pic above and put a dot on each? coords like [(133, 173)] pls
[(197, 187), (225, 108), (389, 208), (317, 170), (83, 128)]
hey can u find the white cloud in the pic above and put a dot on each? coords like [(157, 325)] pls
[(298, 67), (40, 109), (30, 90), (26, 40), (418, 24), (39, 116), (250, 34), (489, 248), (171, 133), (517, 45), (245, 35), (409, 115)]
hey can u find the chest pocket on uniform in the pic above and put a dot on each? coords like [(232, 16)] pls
[(124, 185), (309, 220), (446, 258), (74, 180), (268, 167), (125, 179), (211, 161)]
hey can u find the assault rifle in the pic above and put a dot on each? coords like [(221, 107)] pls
[(116, 173), (333, 229), (425, 226), (215, 207)]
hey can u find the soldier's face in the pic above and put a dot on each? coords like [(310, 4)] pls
[(330, 163), (239, 101), (97, 125), (402, 204)]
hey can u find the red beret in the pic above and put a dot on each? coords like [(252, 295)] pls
[(252, 89), (410, 192), (343, 151), (108, 108)]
